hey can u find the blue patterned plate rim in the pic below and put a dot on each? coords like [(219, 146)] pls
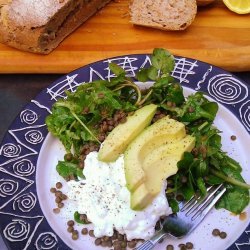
[(22, 224)]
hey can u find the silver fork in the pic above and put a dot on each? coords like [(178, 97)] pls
[(187, 219)]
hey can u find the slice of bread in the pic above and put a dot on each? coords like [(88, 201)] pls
[(40, 25), (163, 14)]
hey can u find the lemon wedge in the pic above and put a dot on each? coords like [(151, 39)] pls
[(238, 6)]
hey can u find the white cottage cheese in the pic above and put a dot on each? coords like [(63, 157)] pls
[(104, 198)]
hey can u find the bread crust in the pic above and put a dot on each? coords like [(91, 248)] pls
[(40, 25), (163, 14)]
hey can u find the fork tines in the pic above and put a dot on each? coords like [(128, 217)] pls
[(198, 206)]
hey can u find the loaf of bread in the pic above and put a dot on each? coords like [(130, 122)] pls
[(163, 14), (40, 25)]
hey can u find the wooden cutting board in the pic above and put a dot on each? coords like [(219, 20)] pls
[(217, 36)]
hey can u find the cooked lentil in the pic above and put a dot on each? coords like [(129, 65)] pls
[(59, 185), (58, 193), (84, 231), (98, 242), (75, 235), (58, 200), (53, 190), (132, 244), (223, 235), (233, 137), (60, 205), (181, 245), (91, 233), (68, 157), (56, 210), (216, 232), (170, 247), (70, 229), (71, 223), (189, 245)]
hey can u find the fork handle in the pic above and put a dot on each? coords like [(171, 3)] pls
[(150, 244)]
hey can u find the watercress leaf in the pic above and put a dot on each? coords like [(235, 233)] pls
[(234, 200), (175, 94), (193, 108), (142, 75), (173, 203), (115, 81), (116, 69), (214, 161), (66, 169), (162, 60), (187, 160), (160, 83), (228, 162), (202, 187), (187, 191), (211, 107), (152, 73), (213, 180), (201, 168)]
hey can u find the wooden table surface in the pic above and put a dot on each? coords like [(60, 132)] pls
[(217, 36)]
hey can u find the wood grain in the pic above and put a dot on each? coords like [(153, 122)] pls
[(217, 36)]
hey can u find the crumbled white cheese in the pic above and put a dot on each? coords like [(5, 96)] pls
[(104, 198)]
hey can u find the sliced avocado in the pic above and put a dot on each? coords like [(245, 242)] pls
[(163, 131), (177, 148), (122, 135), (140, 198), (157, 167)]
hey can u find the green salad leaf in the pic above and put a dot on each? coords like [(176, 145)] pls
[(66, 169)]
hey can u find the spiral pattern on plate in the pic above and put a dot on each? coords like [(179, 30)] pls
[(28, 116), (23, 168), (25, 202), (17, 230), (10, 150), (245, 114), (7, 187), (227, 89), (46, 240), (34, 137)]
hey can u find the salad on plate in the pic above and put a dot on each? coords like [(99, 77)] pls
[(132, 153)]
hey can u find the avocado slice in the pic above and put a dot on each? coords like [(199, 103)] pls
[(122, 135), (163, 131), (159, 165)]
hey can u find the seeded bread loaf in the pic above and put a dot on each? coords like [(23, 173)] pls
[(163, 14), (40, 25)]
